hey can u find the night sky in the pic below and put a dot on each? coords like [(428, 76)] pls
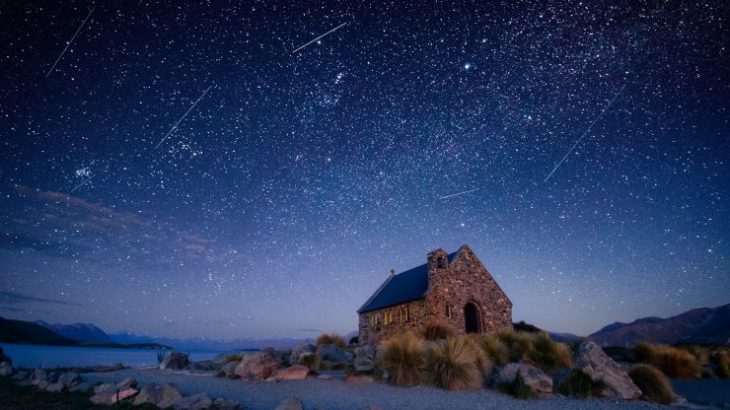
[(184, 169)]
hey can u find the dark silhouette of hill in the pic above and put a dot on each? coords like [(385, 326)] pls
[(18, 331), (82, 332)]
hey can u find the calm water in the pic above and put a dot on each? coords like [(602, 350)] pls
[(32, 356)]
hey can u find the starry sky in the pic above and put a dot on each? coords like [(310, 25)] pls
[(185, 168)]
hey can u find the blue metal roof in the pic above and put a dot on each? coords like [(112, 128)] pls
[(401, 288)]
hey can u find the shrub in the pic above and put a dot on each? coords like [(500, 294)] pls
[(517, 388), (437, 331), (653, 383), (310, 360), (452, 365), (673, 362), (548, 355), (354, 340), (721, 360), (518, 344), (330, 339), (403, 359), (522, 326), (495, 349), (577, 384), (483, 362)]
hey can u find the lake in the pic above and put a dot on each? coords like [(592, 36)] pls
[(32, 356)]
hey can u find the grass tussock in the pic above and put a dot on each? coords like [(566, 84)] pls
[(577, 384), (495, 349), (436, 330), (518, 388), (454, 364), (403, 359), (330, 339), (653, 383), (518, 344), (721, 360), (310, 360), (673, 362), (547, 354)]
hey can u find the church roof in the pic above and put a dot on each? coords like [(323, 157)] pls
[(401, 288)]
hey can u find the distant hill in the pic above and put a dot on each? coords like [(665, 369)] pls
[(197, 343), (82, 332), (702, 326), (18, 331)]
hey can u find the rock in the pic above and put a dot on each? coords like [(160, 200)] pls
[(104, 388), (593, 361), (303, 348), (127, 383), (283, 357), (198, 401), (296, 372), (174, 360), (325, 377), (53, 376), (81, 387), (290, 404), (271, 379), (107, 398), (535, 379), (226, 404), (38, 375), (364, 358), (229, 370), (359, 379), (21, 375), (333, 354), (41, 384), (69, 379), (162, 396), (257, 367), (6, 370), (5, 359), (56, 387)]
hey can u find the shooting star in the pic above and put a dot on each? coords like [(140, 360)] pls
[(82, 184), (595, 120), (458, 194), (174, 127), (323, 35), (69, 42)]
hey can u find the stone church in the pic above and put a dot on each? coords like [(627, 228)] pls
[(454, 289)]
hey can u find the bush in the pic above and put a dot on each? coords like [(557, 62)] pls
[(548, 355), (518, 344), (653, 383), (437, 331), (403, 359), (522, 326), (721, 360), (673, 362), (577, 384), (330, 339), (452, 365), (517, 388), (495, 349), (310, 360), (354, 340)]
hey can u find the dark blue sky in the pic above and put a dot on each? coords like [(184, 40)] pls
[(580, 148)]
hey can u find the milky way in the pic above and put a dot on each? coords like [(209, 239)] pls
[(580, 148)]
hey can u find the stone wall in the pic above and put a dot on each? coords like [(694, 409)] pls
[(416, 316)]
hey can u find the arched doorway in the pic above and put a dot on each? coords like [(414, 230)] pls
[(471, 318)]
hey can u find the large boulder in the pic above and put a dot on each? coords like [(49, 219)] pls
[(174, 360), (38, 376), (332, 354), (229, 370), (364, 358), (259, 366), (56, 387), (296, 372), (601, 368), (534, 378), (303, 348), (162, 396), (199, 401), (69, 379), (107, 398), (290, 404), (126, 383)]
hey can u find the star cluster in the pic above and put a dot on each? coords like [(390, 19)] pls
[(254, 169)]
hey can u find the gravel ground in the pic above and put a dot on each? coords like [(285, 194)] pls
[(336, 394)]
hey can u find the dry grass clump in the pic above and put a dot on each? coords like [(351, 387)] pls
[(518, 388), (577, 384), (454, 364), (518, 344), (436, 330), (653, 383), (330, 339), (721, 360), (673, 362), (310, 360), (494, 348), (403, 359), (547, 354)]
